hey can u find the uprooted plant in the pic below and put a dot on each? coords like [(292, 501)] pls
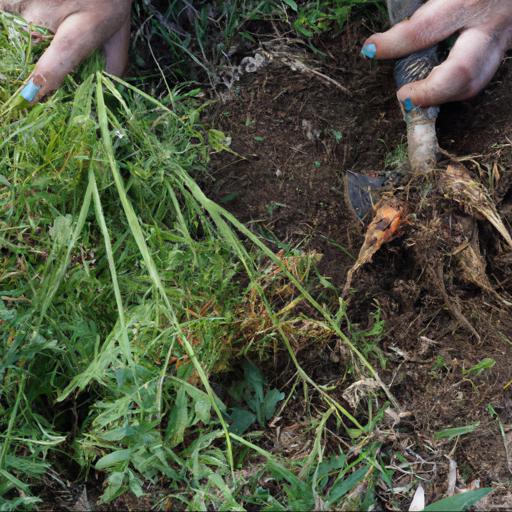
[(442, 226)]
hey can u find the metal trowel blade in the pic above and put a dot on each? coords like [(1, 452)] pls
[(362, 192)]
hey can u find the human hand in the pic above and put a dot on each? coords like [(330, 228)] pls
[(485, 34), (80, 27)]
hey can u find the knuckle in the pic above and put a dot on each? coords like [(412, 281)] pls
[(465, 75), (419, 34)]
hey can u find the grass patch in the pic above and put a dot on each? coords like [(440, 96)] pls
[(201, 42)]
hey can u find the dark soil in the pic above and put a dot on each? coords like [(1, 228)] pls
[(296, 135)]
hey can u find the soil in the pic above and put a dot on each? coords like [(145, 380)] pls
[(294, 136)]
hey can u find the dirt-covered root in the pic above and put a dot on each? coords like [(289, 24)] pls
[(386, 225), (443, 232), (450, 252), (458, 185), (471, 264), (422, 145)]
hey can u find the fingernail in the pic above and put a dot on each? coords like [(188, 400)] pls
[(32, 88), (369, 51), (408, 105)]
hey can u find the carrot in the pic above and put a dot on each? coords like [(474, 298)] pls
[(384, 227)]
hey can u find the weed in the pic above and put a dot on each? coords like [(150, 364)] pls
[(366, 340), (325, 481), (250, 391), (274, 206), (485, 364), (318, 16), (96, 296), (451, 433), (338, 136), (396, 158), (459, 502), (439, 367)]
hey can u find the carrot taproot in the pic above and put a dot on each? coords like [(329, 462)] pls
[(384, 227)]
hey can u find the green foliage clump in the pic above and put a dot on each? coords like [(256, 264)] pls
[(119, 296), (319, 16), (116, 296)]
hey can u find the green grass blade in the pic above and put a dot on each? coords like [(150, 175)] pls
[(125, 341), (450, 433), (460, 502), (60, 273)]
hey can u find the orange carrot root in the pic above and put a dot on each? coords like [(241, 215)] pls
[(384, 227)]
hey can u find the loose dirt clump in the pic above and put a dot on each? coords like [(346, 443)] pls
[(294, 136)]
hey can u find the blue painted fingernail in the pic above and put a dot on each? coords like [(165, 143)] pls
[(30, 91), (408, 105), (369, 51)]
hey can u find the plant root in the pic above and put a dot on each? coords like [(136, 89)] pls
[(422, 145), (436, 273), (457, 184), (471, 263), (384, 227)]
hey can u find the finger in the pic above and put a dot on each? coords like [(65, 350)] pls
[(76, 38), (10, 6), (116, 50), (434, 21), (474, 59)]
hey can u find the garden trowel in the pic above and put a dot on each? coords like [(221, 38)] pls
[(363, 191)]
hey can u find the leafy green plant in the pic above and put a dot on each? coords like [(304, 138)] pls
[(397, 158), (440, 365), (261, 404), (332, 480), (107, 263), (319, 16), (366, 340)]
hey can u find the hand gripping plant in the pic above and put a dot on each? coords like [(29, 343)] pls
[(443, 221)]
